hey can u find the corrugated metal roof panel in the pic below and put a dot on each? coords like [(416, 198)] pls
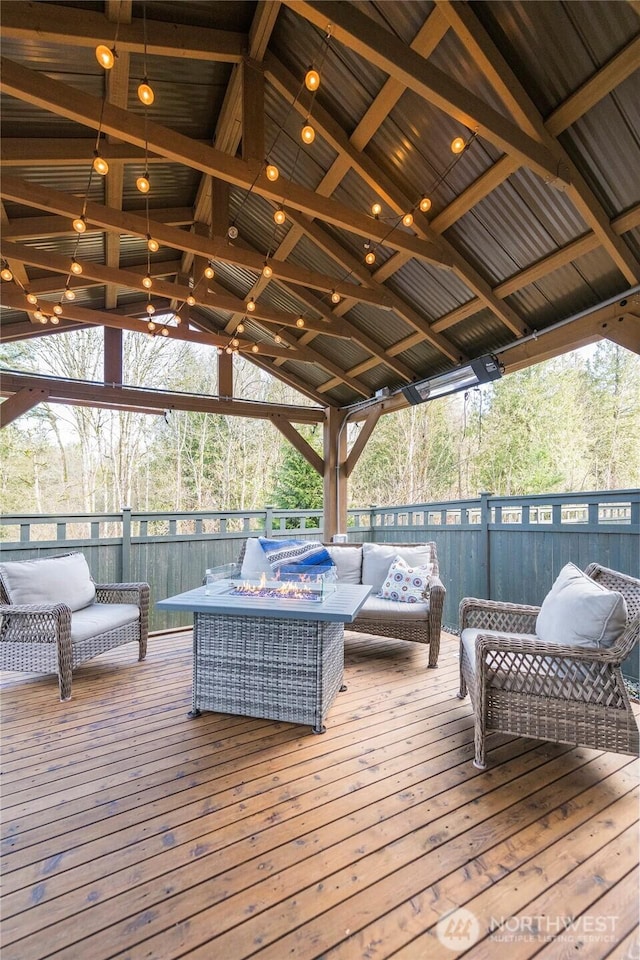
[(430, 291)]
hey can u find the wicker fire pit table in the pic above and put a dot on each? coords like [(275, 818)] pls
[(271, 658)]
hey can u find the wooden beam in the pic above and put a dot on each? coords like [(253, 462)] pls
[(603, 82), (31, 87), (216, 248), (296, 440), (21, 402), (112, 355), (225, 374), (103, 395), (366, 430), (252, 110), (31, 228), (380, 47), (79, 27)]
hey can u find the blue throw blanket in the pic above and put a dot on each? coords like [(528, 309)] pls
[(296, 556)]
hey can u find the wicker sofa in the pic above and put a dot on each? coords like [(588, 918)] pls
[(368, 563), (54, 617), (565, 688)]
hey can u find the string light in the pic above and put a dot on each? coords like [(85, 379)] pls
[(370, 258), (307, 133), (267, 271), (55, 320), (457, 145), (6, 273), (145, 93), (300, 322), (251, 306), (31, 298), (142, 183), (425, 205), (240, 328), (312, 79), (255, 348), (151, 326), (69, 294), (209, 272), (407, 219), (147, 282), (150, 309), (106, 57), (80, 224), (165, 332), (100, 165), (152, 245), (335, 296), (277, 338), (272, 173), (58, 310), (376, 209), (191, 300), (38, 315), (235, 342), (279, 216), (76, 268)]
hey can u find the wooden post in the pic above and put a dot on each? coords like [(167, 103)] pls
[(485, 552), (112, 347), (126, 545), (335, 473), (225, 374)]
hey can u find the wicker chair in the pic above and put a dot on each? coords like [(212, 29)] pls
[(566, 694), (48, 637)]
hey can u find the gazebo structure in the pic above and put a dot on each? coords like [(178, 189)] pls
[(358, 197)]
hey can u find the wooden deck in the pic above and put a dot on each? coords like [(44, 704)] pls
[(131, 831)]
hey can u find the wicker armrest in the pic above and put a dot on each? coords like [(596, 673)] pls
[(534, 647), (34, 622), (437, 593), (122, 593), (497, 615)]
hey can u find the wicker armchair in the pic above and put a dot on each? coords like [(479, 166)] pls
[(566, 694), (48, 637)]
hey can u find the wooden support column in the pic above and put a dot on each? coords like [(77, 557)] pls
[(225, 374), (219, 207), (112, 348), (335, 474), (252, 110)]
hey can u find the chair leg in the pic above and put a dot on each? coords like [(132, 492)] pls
[(143, 650), (480, 760), (64, 683)]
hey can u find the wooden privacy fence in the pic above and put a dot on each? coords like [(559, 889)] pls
[(508, 548)]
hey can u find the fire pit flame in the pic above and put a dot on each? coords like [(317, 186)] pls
[(283, 590)]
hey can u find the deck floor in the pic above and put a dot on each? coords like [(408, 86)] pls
[(131, 831)]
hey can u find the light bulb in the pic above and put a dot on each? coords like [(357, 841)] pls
[(145, 93), (370, 258), (43, 318), (312, 80), (335, 297), (80, 224), (6, 274), (76, 268), (407, 219), (425, 204), (228, 350), (31, 298), (55, 320), (235, 350), (152, 244), (58, 310), (143, 185), (235, 342), (191, 300), (151, 326), (279, 216), (150, 308), (457, 145), (69, 294), (307, 133), (240, 328), (254, 348), (272, 172), (376, 209), (267, 272), (164, 332), (300, 322), (100, 165), (209, 272), (277, 338), (105, 57), (147, 282), (38, 315), (232, 231), (220, 351), (251, 305)]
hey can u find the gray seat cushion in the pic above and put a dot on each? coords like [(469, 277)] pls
[(376, 608), (100, 618)]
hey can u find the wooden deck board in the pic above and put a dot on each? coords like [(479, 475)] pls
[(133, 832)]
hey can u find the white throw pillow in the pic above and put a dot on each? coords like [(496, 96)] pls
[(377, 557), (50, 580), (581, 612), (406, 584)]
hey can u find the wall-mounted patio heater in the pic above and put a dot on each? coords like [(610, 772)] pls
[(482, 370)]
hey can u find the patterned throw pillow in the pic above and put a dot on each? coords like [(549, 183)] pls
[(406, 584)]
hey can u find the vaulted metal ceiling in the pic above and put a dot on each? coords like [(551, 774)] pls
[(536, 222)]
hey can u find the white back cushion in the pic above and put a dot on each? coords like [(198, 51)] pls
[(377, 558), (581, 612), (348, 561), (52, 580), (254, 562)]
